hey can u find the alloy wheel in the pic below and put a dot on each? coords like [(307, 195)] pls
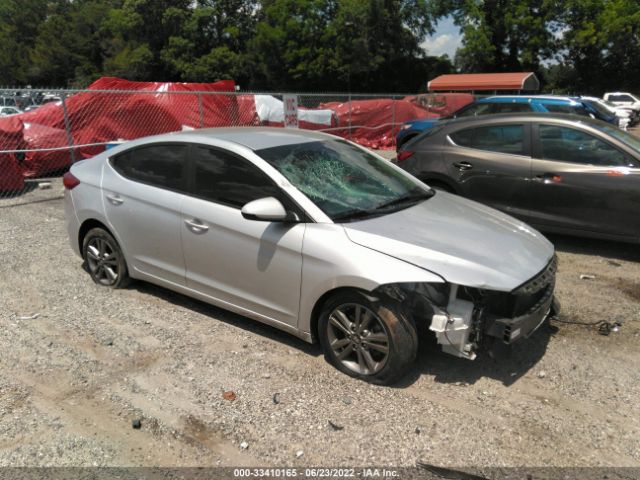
[(102, 260), (358, 338)]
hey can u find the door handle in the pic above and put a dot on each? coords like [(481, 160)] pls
[(548, 177), (463, 166), (196, 226), (115, 199)]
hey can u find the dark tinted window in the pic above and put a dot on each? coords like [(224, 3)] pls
[(512, 107), (464, 138), (475, 109), (426, 134), (225, 178), (159, 165), (570, 145), (499, 138), (620, 98), (573, 109)]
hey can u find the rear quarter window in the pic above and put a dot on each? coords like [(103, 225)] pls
[(426, 134)]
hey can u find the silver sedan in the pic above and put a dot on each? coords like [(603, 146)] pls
[(314, 235)]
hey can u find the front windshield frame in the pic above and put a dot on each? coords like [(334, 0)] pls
[(612, 106), (601, 109), (344, 181)]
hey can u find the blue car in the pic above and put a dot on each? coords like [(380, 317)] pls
[(505, 104)]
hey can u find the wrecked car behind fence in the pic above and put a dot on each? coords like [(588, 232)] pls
[(46, 141)]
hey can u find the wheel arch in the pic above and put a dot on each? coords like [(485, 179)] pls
[(317, 307), (435, 178), (407, 138), (88, 225), (388, 292)]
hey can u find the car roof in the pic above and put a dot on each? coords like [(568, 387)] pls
[(522, 116), (529, 98), (255, 138)]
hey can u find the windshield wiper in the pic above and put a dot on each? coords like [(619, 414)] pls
[(409, 199), (355, 214)]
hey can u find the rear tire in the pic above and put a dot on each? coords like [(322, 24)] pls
[(104, 259), (366, 337)]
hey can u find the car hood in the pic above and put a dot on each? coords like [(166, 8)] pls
[(464, 242)]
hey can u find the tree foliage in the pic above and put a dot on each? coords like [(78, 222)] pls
[(577, 46), (601, 46), (321, 45)]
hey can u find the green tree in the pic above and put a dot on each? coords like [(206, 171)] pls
[(19, 25), (601, 46), (68, 48), (139, 31), (503, 35), (354, 45), (211, 41), (321, 45)]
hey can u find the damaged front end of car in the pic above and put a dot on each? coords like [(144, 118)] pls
[(467, 320)]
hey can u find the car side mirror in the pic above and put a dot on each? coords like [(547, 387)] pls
[(268, 209)]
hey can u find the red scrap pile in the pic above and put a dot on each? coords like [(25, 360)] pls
[(116, 109)]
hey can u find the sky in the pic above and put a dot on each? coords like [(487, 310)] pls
[(445, 40)]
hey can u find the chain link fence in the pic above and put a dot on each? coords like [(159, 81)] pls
[(38, 145)]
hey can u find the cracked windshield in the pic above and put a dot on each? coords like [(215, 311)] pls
[(344, 181)]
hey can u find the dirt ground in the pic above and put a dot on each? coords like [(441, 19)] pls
[(79, 363)]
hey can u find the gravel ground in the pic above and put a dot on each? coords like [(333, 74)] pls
[(79, 363)]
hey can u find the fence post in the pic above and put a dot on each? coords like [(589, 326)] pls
[(350, 107), (393, 118), (201, 110), (67, 126)]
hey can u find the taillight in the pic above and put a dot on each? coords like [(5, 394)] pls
[(69, 181), (404, 154)]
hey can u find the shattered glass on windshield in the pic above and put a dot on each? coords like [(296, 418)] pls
[(338, 177)]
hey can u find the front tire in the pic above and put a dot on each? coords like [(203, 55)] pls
[(367, 338), (104, 259)]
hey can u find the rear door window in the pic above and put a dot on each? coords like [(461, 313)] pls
[(161, 165), (575, 146), (496, 138)]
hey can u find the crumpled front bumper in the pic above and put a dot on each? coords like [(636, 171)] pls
[(510, 330)]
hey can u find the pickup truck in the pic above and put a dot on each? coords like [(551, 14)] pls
[(624, 99)]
